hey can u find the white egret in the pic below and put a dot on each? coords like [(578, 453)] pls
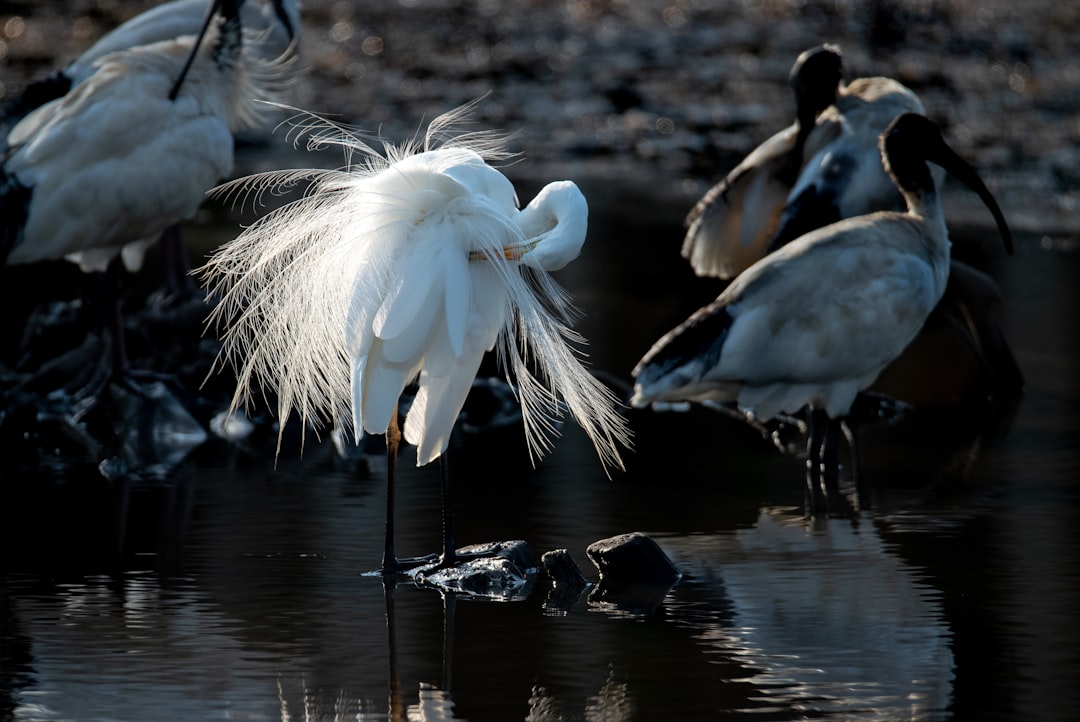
[(407, 265), (133, 148), (816, 322)]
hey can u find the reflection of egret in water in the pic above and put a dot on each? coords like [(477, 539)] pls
[(434, 702), (409, 264), (827, 619)]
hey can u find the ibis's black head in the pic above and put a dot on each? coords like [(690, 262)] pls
[(814, 78), (910, 142)]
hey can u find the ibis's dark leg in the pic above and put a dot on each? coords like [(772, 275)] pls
[(852, 434), (818, 422), (178, 281), (830, 464)]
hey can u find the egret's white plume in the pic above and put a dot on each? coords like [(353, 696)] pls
[(409, 263)]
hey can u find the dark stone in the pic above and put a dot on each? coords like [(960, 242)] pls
[(632, 559), (635, 574), (567, 581), (497, 570), (562, 570)]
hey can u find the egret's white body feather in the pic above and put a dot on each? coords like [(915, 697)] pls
[(410, 264)]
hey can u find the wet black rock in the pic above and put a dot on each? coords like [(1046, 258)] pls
[(635, 574), (567, 581), (503, 570), (630, 560)]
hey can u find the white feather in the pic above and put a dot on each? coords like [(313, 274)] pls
[(408, 263)]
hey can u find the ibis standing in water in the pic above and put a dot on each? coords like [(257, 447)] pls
[(132, 149), (816, 322), (409, 265), (785, 189)]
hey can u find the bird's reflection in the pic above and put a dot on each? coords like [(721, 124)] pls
[(433, 702)]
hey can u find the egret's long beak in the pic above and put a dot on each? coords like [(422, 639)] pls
[(508, 253)]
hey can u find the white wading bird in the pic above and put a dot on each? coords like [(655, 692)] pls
[(272, 27), (817, 321), (132, 149), (409, 265)]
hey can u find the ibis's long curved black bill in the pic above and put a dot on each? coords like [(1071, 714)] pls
[(933, 148)]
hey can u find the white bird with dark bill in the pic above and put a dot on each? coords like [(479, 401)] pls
[(409, 265), (132, 149), (843, 175), (816, 322), (734, 223), (272, 28)]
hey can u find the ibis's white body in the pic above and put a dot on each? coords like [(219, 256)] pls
[(843, 170), (116, 161), (815, 322), (733, 224)]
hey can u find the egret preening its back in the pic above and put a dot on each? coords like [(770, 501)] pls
[(409, 264), (132, 149), (817, 321)]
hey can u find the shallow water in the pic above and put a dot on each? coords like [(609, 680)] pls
[(240, 592)]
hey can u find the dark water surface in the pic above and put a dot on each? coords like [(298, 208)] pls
[(240, 593)]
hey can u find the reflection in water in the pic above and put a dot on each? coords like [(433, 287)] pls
[(827, 619)]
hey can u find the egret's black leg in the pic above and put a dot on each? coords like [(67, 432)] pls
[(450, 554), (393, 438), (449, 551), (391, 564)]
